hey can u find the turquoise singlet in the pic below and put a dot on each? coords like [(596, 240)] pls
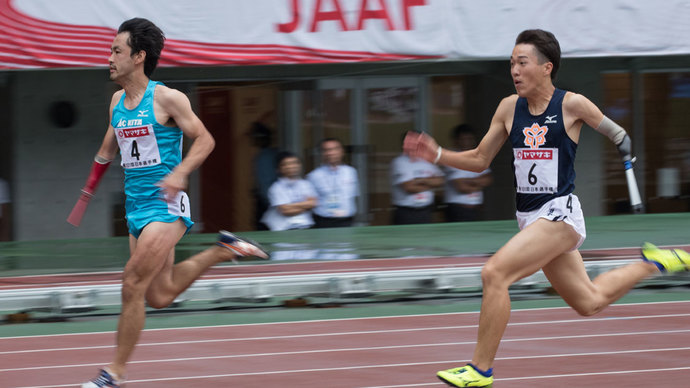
[(149, 152)]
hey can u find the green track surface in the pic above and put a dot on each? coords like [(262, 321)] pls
[(444, 239), (180, 318)]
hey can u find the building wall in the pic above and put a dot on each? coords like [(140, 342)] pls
[(50, 163)]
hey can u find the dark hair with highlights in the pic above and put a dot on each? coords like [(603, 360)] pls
[(546, 44), (146, 36)]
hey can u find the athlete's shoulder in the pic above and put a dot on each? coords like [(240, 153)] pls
[(576, 104), (510, 100), (506, 108), (168, 94), (172, 101), (117, 96), (508, 103), (115, 99)]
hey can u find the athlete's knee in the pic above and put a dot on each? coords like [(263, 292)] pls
[(587, 307), (133, 286), (159, 301), (493, 276)]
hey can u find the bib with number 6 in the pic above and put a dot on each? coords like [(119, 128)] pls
[(536, 170)]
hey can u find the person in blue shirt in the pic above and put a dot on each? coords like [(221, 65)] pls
[(337, 186), (291, 197), (147, 123), (543, 125)]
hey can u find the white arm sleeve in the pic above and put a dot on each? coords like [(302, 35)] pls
[(611, 130)]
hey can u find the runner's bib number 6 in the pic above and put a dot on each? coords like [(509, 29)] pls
[(138, 146), (536, 170)]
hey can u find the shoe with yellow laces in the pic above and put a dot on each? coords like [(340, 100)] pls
[(667, 260), (467, 376)]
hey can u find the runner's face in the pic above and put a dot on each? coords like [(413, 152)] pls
[(120, 60), (526, 71)]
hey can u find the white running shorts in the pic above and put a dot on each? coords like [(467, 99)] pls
[(566, 209)]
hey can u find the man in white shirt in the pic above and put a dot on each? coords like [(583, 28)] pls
[(291, 197), (413, 182), (337, 186), (464, 194)]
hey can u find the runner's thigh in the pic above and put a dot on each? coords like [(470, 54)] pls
[(153, 248), (532, 249)]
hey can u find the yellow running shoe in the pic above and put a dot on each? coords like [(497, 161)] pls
[(466, 376), (668, 260)]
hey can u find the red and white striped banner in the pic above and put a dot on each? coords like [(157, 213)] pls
[(74, 33)]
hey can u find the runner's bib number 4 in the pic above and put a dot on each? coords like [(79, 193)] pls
[(536, 170), (138, 146)]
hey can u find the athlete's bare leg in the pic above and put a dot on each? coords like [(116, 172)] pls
[(150, 276), (569, 278), (524, 254), (149, 254), (173, 279), (545, 245)]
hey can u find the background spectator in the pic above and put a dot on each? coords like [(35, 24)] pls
[(291, 197), (337, 186), (464, 194), (413, 182)]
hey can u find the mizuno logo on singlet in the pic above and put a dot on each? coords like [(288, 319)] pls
[(535, 135), (145, 113), (550, 119)]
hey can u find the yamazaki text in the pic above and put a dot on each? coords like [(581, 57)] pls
[(368, 10)]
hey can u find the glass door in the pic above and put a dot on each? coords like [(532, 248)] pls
[(369, 116)]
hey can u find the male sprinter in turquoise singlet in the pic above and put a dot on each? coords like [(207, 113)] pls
[(543, 124), (147, 122)]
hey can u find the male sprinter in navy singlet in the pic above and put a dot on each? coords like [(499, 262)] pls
[(543, 124), (147, 123)]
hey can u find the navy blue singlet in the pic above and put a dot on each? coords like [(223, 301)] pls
[(543, 154)]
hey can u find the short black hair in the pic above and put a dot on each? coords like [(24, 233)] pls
[(282, 155), (146, 36), (321, 143), (546, 44)]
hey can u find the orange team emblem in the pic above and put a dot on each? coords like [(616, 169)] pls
[(535, 135)]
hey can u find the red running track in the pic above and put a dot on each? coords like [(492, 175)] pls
[(634, 345)]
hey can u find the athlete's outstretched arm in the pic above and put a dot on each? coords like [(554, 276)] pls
[(581, 108), (477, 159), (179, 109)]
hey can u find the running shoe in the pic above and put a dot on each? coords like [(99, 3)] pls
[(668, 260), (466, 376), (240, 246), (104, 379)]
